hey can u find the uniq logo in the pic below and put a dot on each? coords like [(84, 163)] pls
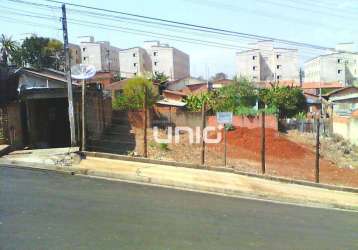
[(194, 135)]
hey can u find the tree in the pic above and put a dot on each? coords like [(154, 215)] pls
[(289, 100), (40, 52), (219, 76), (132, 97), (195, 102), (8, 46), (239, 95), (160, 78)]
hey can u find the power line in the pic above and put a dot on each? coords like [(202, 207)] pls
[(204, 28), (198, 28), (296, 7), (33, 24), (275, 16), (141, 32)]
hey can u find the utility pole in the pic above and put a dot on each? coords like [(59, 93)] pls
[(109, 60), (68, 77)]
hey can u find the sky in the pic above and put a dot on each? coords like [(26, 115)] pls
[(320, 22)]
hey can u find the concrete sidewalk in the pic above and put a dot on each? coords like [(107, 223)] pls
[(216, 182)]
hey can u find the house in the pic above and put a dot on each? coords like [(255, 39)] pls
[(313, 104), (266, 63), (345, 112), (38, 117)]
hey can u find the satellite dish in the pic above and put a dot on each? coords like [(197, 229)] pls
[(82, 71)]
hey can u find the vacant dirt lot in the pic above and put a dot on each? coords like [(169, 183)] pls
[(289, 155)]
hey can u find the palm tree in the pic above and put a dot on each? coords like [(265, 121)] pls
[(8, 46)]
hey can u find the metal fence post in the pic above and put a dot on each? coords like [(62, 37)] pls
[(317, 152), (263, 142), (225, 145), (202, 156), (145, 150)]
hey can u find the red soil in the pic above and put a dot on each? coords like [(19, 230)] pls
[(283, 157)]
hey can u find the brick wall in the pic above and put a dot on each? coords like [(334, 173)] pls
[(248, 122)]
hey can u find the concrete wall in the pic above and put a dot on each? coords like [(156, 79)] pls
[(347, 127), (98, 115), (172, 116), (14, 133)]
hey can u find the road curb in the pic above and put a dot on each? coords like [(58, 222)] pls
[(5, 150), (169, 183), (219, 169)]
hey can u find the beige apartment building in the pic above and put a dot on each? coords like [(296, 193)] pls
[(340, 66), (134, 61), (266, 63), (99, 54), (168, 60), (75, 54)]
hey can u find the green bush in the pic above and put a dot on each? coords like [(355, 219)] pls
[(288, 100), (163, 146), (132, 97)]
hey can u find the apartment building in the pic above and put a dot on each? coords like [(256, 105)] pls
[(134, 61), (168, 60), (99, 54), (340, 67), (75, 54), (266, 63)]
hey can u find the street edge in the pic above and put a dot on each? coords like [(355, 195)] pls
[(219, 169), (148, 181)]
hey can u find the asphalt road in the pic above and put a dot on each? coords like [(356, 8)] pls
[(46, 210)]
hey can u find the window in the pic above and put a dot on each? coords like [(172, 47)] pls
[(278, 66), (135, 64), (278, 77), (155, 53), (339, 60), (254, 77), (84, 49), (84, 58), (253, 57), (339, 71), (155, 63), (278, 56), (254, 68), (134, 55)]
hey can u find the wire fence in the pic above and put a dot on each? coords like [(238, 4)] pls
[(248, 144)]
